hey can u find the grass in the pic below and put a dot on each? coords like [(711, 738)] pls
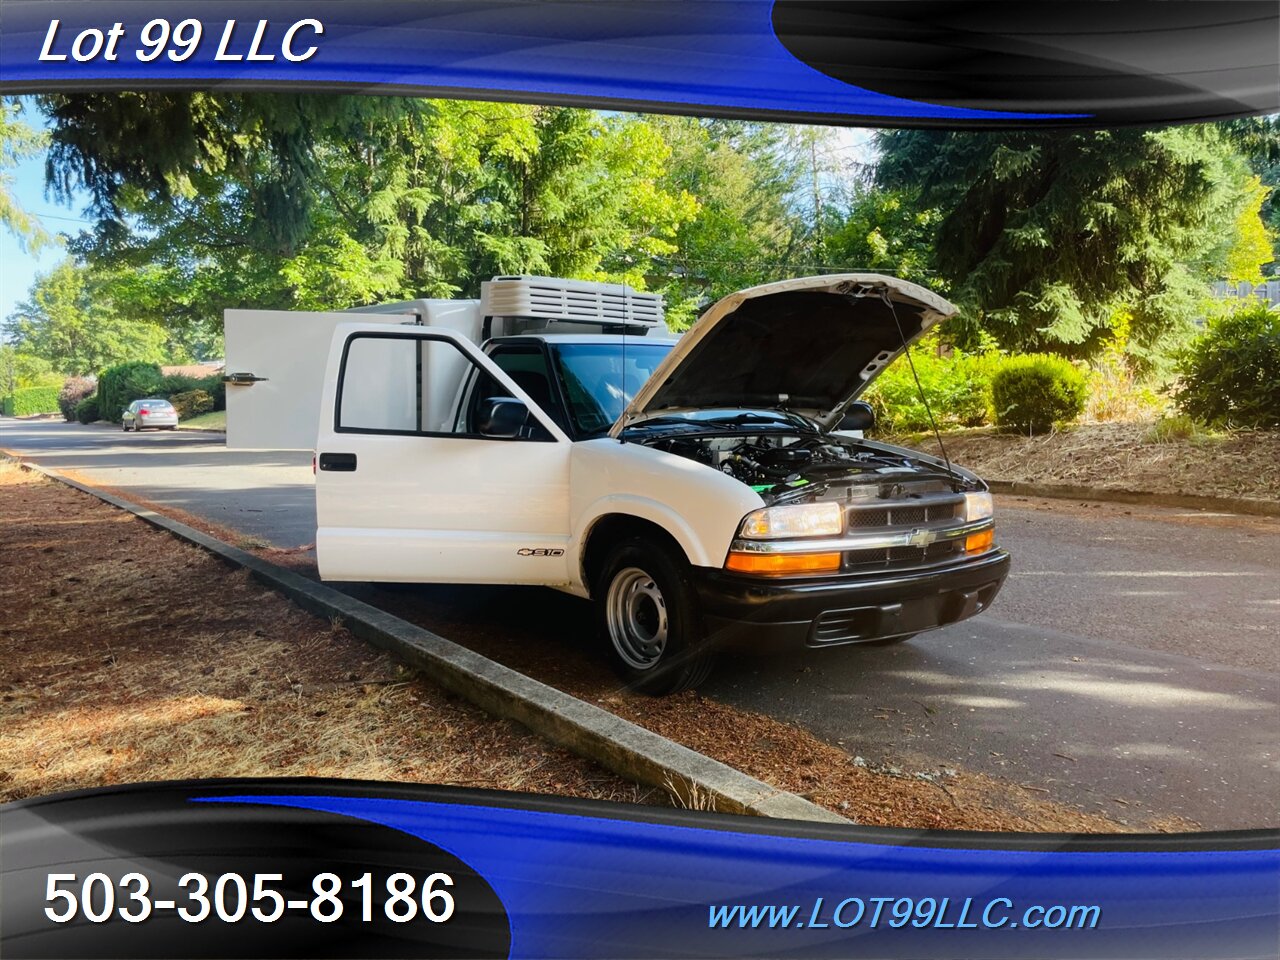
[(216, 420), (1180, 428)]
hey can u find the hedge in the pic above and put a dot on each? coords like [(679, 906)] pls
[(30, 401), (124, 383), (191, 403), (1031, 393)]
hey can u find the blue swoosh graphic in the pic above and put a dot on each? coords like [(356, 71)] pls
[(721, 54), (576, 885)]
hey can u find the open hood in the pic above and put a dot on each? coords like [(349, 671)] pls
[(810, 345)]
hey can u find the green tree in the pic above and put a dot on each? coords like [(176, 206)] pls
[(744, 232), (19, 370), (68, 323), (884, 231), (402, 198), (17, 142), (1251, 248), (1043, 235)]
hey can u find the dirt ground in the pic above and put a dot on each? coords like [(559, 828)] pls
[(1123, 456), (777, 753), (127, 656)]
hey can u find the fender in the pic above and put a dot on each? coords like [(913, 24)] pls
[(698, 506), (641, 508)]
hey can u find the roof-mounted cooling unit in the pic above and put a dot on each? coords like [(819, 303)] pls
[(551, 299)]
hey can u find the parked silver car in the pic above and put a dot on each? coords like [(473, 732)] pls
[(142, 414)]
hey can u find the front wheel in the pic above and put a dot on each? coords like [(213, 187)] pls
[(648, 614)]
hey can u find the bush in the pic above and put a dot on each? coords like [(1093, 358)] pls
[(179, 383), (192, 403), (1031, 393), (1231, 372), (73, 391), (957, 388), (1117, 394), (87, 410), (124, 383), (176, 384), (214, 386), (30, 401)]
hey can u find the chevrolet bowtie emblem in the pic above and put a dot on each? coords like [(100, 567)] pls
[(921, 537)]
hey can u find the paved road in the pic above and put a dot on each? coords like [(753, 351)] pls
[(1130, 666)]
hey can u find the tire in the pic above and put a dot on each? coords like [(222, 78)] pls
[(124, 426), (648, 617)]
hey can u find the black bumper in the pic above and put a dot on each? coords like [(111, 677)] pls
[(829, 611)]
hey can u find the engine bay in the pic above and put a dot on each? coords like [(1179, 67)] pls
[(786, 468)]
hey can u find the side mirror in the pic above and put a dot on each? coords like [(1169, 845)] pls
[(859, 416), (501, 417)]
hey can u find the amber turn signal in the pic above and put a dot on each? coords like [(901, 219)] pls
[(780, 564), (979, 542)]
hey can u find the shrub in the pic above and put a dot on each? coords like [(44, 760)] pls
[(87, 410), (1231, 372), (179, 383), (214, 386), (1116, 393), (124, 383), (73, 391), (1031, 393), (30, 401), (957, 388), (192, 403)]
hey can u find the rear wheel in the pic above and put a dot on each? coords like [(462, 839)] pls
[(648, 614)]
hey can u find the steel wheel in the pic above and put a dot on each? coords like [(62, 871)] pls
[(636, 617)]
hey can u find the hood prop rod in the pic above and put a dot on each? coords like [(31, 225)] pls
[(906, 348)]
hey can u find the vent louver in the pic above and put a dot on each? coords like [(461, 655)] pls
[(572, 301)]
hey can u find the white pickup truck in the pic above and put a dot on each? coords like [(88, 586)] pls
[(703, 491)]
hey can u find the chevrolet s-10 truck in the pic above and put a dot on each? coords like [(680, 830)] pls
[(702, 492)]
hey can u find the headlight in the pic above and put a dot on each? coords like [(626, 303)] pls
[(978, 506), (796, 520)]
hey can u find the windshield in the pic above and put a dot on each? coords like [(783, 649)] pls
[(598, 383)]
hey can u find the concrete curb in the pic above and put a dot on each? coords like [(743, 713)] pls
[(1257, 508), (616, 744)]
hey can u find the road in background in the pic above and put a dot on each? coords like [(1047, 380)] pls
[(1129, 666)]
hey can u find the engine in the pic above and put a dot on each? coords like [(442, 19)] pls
[(792, 467)]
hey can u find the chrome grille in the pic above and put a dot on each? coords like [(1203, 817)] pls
[(924, 510), (928, 511), (902, 556)]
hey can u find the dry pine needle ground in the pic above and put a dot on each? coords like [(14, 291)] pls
[(126, 655)]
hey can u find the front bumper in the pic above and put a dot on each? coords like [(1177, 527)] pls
[(850, 608)]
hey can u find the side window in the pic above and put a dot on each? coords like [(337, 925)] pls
[(408, 384), (527, 366), (379, 388)]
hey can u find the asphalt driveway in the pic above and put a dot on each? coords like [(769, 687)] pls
[(1130, 666)]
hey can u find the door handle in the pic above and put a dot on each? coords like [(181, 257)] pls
[(338, 462)]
